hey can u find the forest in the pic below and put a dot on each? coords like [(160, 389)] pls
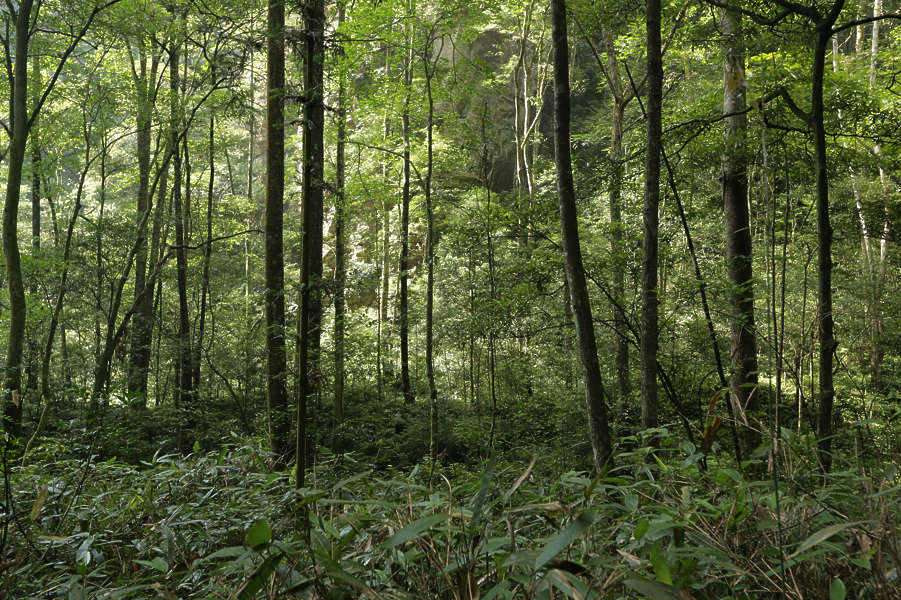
[(445, 299)]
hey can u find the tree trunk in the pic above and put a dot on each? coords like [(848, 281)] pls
[(598, 427), (276, 364), (743, 379), (16, 158), (340, 251), (650, 219), (824, 251), (310, 320), (183, 389), (207, 256), (409, 397), (142, 328), (429, 68)]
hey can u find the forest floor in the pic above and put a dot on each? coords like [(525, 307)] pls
[(665, 523)]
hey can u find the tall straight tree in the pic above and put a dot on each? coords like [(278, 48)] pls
[(743, 378), (650, 218), (598, 428), (183, 370), (310, 321), (340, 244), (276, 361), (403, 275)]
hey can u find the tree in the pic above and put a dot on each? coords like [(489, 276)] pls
[(598, 428), (276, 361), (743, 380), (310, 321), (650, 218)]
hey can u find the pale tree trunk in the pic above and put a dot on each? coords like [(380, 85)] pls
[(598, 428), (404, 266), (340, 250), (310, 320), (650, 219), (743, 380)]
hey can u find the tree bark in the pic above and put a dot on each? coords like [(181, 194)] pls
[(183, 386), (142, 328), (276, 363), (310, 321), (650, 219), (19, 124), (743, 378), (598, 427), (340, 250), (429, 68), (404, 266)]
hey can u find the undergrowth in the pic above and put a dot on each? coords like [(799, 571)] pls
[(661, 526)]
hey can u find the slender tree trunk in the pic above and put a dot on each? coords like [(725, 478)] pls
[(183, 389), (310, 321), (34, 351), (429, 68), (824, 252), (650, 219), (409, 397), (276, 364), (16, 158), (207, 255), (598, 428), (618, 268), (743, 379), (340, 251)]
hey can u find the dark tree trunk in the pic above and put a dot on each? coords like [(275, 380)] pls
[(276, 365), (650, 219), (207, 256), (743, 379), (19, 124), (429, 68), (310, 321), (824, 237), (598, 427)]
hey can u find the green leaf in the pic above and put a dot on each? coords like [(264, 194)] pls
[(837, 589), (258, 579), (157, 564), (483, 491), (258, 534), (655, 590), (415, 529), (821, 536), (661, 567), (562, 540), (641, 529), (228, 552)]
